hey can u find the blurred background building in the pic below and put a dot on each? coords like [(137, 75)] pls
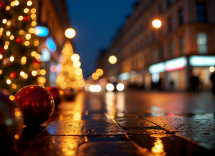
[(167, 57), (52, 21)]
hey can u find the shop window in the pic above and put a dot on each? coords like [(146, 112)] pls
[(171, 50), (181, 16), (182, 47), (201, 12), (202, 43)]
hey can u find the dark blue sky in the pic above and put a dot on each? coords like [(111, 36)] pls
[(96, 23)]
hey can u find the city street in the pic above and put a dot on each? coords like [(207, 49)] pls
[(126, 123)]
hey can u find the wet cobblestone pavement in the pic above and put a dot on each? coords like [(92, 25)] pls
[(125, 123)]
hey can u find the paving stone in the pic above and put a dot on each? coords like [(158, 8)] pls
[(167, 145), (200, 131), (94, 125), (144, 131), (108, 149), (134, 122), (54, 146)]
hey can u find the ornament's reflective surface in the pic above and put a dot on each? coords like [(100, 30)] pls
[(37, 104)]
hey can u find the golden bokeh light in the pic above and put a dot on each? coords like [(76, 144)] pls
[(21, 32), (34, 72), (16, 3), (31, 30), (36, 42), (22, 73), (29, 3), (95, 76), (33, 23), (13, 86), (12, 4), (20, 18), (33, 16), (26, 10), (156, 23), (8, 33), (11, 37), (1, 56), (25, 76), (16, 136), (43, 72), (4, 21), (37, 56), (75, 57), (7, 7), (11, 97), (70, 33), (12, 58), (33, 11), (33, 53), (99, 72), (23, 60), (78, 71), (8, 81), (112, 59), (27, 43), (5, 47), (77, 64), (28, 36)]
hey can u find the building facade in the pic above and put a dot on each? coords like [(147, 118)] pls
[(52, 21), (166, 57)]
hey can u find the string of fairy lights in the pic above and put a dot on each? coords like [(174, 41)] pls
[(24, 38)]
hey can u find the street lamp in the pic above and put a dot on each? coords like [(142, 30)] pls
[(70, 33), (156, 23), (112, 59)]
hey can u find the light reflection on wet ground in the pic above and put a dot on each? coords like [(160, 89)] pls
[(130, 123)]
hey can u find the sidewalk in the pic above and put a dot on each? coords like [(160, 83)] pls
[(89, 127)]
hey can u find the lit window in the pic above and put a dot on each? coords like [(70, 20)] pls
[(202, 43)]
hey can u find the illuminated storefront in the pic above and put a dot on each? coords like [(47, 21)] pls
[(175, 72)]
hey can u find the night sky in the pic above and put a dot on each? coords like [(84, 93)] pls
[(96, 23)]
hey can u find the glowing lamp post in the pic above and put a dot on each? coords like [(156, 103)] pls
[(156, 23), (112, 59), (70, 33)]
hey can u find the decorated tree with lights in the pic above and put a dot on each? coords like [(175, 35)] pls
[(19, 51), (70, 75)]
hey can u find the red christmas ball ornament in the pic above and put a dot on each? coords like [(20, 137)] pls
[(37, 104), (19, 39), (11, 123), (1, 50), (56, 93), (25, 18), (13, 74), (2, 4)]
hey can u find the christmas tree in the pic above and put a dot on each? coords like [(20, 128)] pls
[(70, 75), (19, 51)]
